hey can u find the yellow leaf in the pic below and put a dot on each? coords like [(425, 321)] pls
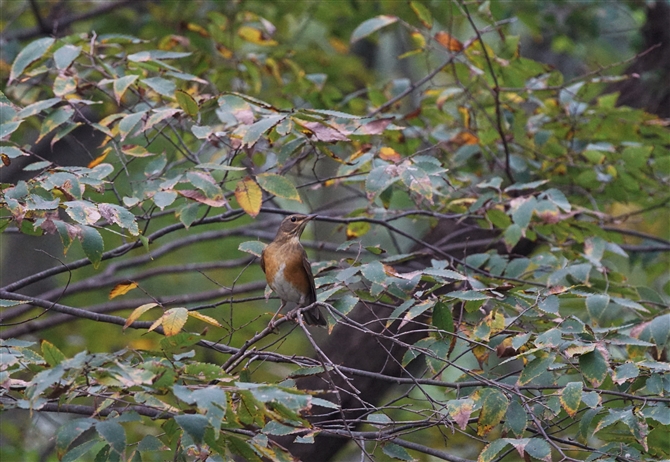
[(249, 196), (137, 312), (205, 318), (156, 323), (464, 138), (357, 229), (338, 45), (391, 154), (197, 29), (121, 289), (363, 149), (465, 115), (223, 51), (98, 160), (253, 35), (173, 320), (448, 42)]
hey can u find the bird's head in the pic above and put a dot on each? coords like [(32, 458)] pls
[(293, 226)]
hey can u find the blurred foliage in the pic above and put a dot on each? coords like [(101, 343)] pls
[(203, 119)]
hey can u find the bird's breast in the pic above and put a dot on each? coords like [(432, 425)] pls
[(285, 273)]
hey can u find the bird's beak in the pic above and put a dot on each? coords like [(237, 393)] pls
[(311, 217)]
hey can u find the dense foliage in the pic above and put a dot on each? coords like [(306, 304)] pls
[(532, 321)]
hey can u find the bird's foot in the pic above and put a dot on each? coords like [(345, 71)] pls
[(293, 314)]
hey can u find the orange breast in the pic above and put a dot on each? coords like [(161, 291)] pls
[(285, 273)]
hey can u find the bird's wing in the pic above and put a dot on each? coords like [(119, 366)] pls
[(308, 270), (263, 260)]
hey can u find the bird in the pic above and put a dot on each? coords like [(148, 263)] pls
[(287, 270)]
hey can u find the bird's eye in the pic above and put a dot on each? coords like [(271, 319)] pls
[(293, 219)]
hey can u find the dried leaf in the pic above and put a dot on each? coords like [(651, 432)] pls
[(122, 289), (137, 312), (448, 42)]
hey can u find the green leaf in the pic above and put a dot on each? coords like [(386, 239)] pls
[(113, 433), (591, 399), (187, 103), (194, 425), (549, 305), (8, 128), (52, 354), (70, 431), (370, 26), (241, 448), (29, 55), (374, 272), (378, 180), (64, 85), (585, 423), (12, 152), (65, 55), (129, 122), (596, 304), (278, 185), (379, 419), (120, 216), (571, 397), (468, 295), (516, 418), (491, 451), (79, 451), (539, 449), (163, 199), (37, 107), (92, 243), (594, 367), (205, 183), (188, 214), (254, 132), (660, 330), (445, 274), (522, 213), (422, 13), (152, 55), (625, 372), (442, 317), (396, 452), (524, 186), (150, 443), (252, 247), (178, 342), (493, 407), (345, 304), (279, 429), (535, 369), (161, 86), (54, 120), (499, 218), (308, 371), (121, 84), (512, 235)]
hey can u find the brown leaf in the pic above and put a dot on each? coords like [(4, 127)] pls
[(322, 132), (200, 197), (375, 127), (448, 42), (464, 138)]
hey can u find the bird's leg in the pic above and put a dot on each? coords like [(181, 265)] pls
[(293, 314), (272, 321)]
